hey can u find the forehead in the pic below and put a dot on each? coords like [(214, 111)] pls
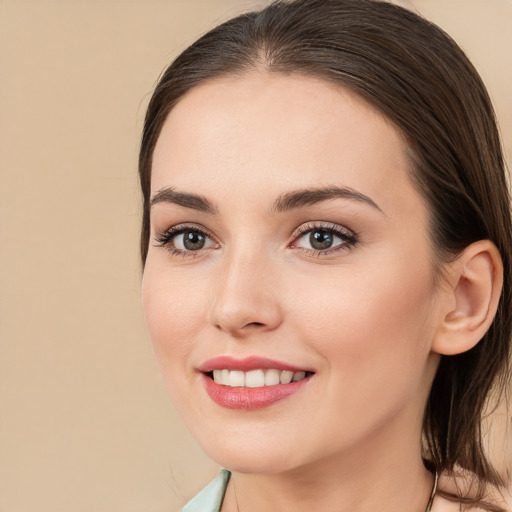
[(262, 131)]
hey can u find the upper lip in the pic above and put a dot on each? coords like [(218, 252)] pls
[(247, 364)]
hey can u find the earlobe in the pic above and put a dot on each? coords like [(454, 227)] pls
[(473, 290)]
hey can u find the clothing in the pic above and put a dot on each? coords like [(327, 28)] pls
[(210, 498)]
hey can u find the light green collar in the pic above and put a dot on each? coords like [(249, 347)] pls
[(210, 498)]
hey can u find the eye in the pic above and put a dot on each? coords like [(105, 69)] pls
[(185, 240), (322, 239)]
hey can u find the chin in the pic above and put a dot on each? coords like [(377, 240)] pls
[(252, 455), (255, 464)]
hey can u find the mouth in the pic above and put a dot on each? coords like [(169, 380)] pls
[(251, 383)]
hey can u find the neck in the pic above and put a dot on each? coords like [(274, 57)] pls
[(384, 473)]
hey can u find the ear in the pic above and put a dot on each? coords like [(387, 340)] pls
[(471, 292)]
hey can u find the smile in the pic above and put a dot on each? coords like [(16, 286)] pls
[(255, 378), (251, 383)]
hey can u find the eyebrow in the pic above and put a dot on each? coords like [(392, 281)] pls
[(194, 201), (285, 202), (308, 197)]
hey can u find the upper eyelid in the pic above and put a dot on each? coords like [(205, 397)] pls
[(304, 227), (328, 226), (183, 226), (167, 236)]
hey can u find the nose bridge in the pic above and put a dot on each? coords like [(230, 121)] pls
[(245, 297)]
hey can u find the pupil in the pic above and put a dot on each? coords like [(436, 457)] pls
[(320, 240), (192, 240)]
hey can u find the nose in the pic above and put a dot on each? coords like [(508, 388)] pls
[(246, 296)]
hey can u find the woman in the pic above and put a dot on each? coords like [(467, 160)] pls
[(327, 247)]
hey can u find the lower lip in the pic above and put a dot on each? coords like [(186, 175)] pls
[(250, 398)]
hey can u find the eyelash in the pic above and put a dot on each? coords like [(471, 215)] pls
[(348, 238), (166, 239)]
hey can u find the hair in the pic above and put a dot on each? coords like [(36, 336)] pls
[(416, 76)]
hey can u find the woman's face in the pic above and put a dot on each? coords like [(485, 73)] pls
[(287, 237)]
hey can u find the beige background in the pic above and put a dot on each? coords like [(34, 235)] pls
[(85, 423)]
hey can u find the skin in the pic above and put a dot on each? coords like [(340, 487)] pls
[(363, 317)]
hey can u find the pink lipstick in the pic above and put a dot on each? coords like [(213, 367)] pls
[(251, 383)]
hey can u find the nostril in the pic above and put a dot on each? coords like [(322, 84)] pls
[(243, 329)]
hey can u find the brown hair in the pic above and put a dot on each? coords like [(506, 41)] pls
[(418, 77)]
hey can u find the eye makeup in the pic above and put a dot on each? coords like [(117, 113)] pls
[(194, 239), (314, 238), (322, 238)]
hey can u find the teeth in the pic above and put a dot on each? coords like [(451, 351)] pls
[(272, 377), (286, 377), (298, 376), (236, 379), (255, 378)]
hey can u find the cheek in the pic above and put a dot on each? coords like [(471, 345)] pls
[(370, 333), (173, 309), (370, 326), (376, 301)]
